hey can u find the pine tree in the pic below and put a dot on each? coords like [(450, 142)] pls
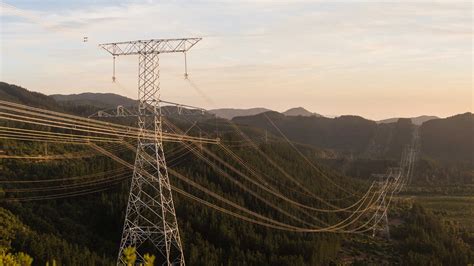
[(129, 255), (149, 259), (18, 259)]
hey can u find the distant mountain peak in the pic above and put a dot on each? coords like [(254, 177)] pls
[(299, 111)]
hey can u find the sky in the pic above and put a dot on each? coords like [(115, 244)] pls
[(376, 59)]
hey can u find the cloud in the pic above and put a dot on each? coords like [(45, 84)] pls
[(249, 47)]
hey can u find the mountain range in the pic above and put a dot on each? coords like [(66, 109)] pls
[(229, 113), (449, 139), (442, 138), (110, 100), (445, 139)]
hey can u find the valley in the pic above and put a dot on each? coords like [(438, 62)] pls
[(84, 218)]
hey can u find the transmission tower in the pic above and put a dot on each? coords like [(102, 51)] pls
[(150, 220), (380, 225)]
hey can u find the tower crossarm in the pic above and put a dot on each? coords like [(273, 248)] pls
[(153, 46)]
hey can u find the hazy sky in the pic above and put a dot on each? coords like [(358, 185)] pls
[(374, 59)]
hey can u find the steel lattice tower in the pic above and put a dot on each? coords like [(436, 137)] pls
[(380, 223), (150, 221), (380, 219)]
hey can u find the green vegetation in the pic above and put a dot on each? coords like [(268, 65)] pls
[(9, 227), (15, 236), (85, 230), (345, 133), (17, 259), (423, 239), (130, 257), (457, 210)]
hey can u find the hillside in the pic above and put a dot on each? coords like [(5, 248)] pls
[(447, 140), (450, 139), (363, 146), (299, 111), (345, 133), (415, 120), (229, 113), (13, 93), (103, 100)]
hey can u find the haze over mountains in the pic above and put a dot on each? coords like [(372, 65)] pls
[(108, 100), (347, 134), (445, 138), (230, 113)]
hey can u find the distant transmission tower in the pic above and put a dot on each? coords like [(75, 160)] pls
[(150, 221), (380, 225)]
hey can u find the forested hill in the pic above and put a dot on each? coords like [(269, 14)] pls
[(350, 135), (13, 93), (449, 139), (104, 100), (415, 120), (63, 220)]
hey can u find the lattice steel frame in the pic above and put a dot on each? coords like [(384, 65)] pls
[(150, 215), (380, 223)]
